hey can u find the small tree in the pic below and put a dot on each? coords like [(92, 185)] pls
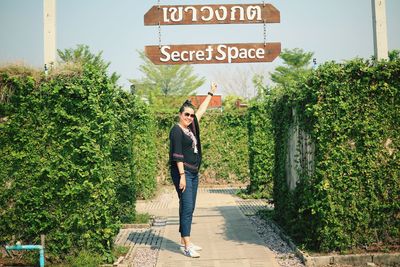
[(229, 101), (296, 65), (263, 89), (82, 54), (165, 80)]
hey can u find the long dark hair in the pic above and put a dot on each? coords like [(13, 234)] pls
[(187, 104)]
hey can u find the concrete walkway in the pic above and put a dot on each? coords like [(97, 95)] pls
[(219, 226)]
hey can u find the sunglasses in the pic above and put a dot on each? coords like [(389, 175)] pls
[(187, 114)]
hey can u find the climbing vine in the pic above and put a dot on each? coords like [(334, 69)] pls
[(261, 149), (351, 199), (70, 157), (224, 142)]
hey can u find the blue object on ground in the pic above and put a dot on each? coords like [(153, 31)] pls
[(30, 247)]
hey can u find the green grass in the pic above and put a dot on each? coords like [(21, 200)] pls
[(266, 214), (89, 259), (85, 258), (142, 218), (119, 251), (243, 193)]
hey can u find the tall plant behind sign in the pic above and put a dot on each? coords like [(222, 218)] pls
[(212, 53)]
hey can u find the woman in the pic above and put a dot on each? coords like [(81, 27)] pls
[(185, 160)]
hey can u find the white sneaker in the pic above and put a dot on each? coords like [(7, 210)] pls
[(190, 252), (193, 246)]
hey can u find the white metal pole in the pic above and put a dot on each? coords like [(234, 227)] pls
[(380, 29), (49, 27)]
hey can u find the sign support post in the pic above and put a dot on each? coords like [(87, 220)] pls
[(380, 29), (49, 28)]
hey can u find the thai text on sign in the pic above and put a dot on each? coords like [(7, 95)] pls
[(212, 14), (214, 53)]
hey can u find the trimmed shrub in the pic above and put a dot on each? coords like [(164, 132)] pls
[(71, 160), (351, 199), (261, 149), (56, 149), (144, 150), (224, 142)]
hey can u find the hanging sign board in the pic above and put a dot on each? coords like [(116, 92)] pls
[(212, 53), (212, 14)]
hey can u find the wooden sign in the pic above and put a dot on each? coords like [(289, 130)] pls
[(212, 53), (212, 14)]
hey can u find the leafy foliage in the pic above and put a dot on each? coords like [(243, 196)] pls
[(166, 80), (352, 113), (82, 55), (229, 102), (144, 150), (261, 149), (224, 142), (296, 63), (85, 258), (71, 159), (55, 155), (261, 141), (133, 154)]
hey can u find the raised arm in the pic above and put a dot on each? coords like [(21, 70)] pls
[(203, 107)]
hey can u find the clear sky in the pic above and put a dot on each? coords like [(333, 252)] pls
[(332, 29)]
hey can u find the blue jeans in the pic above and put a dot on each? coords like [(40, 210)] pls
[(187, 200)]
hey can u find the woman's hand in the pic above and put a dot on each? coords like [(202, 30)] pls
[(213, 87), (203, 107), (182, 183)]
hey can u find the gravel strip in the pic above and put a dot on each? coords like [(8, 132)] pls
[(145, 257), (283, 253)]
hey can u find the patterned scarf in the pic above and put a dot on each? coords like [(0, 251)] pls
[(189, 133)]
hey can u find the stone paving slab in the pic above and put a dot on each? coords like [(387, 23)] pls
[(219, 226)]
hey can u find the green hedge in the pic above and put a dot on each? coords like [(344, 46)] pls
[(134, 153), (68, 162), (224, 142), (144, 150), (261, 149), (122, 155), (352, 199)]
